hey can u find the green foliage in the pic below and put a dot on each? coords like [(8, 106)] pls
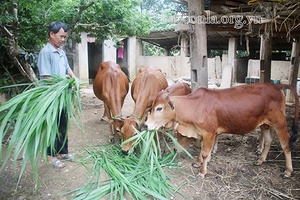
[(164, 16), (152, 50), (25, 28), (33, 116), (140, 175), (106, 18), (159, 13)]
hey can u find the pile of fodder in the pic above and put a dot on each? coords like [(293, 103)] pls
[(139, 175)]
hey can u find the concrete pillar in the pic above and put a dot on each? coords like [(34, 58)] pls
[(183, 46), (226, 72), (294, 68), (131, 49), (218, 67), (232, 45), (109, 51), (81, 69)]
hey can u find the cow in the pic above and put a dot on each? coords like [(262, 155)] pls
[(111, 86), (177, 89), (148, 82), (206, 113)]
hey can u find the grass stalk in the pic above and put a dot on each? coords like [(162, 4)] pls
[(33, 115), (137, 176)]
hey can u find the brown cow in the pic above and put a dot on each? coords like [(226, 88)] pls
[(177, 89), (111, 86), (144, 89), (205, 113)]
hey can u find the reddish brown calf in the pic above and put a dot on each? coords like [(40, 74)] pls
[(206, 113), (144, 89), (111, 86)]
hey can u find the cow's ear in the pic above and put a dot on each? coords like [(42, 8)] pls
[(111, 121), (171, 103)]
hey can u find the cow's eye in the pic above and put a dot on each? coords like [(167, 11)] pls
[(158, 109)]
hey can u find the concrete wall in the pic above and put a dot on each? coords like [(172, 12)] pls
[(214, 67), (109, 51), (81, 68), (280, 70), (172, 66), (176, 67), (132, 56)]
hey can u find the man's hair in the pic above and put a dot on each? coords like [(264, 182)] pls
[(55, 26)]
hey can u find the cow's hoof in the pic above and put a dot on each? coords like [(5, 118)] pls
[(196, 165), (286, 174), (258, 152), (258, 162), (201, 175)]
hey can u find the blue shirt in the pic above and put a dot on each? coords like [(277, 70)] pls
[(52, 62)]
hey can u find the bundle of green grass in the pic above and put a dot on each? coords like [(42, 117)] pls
[(139, 175), (33, 118)]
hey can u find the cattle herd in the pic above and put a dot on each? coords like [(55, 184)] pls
[(202, 114)]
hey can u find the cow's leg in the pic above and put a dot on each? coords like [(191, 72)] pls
[(112, 134), (215, 147), (183, 141), (108, 118), (261, 143), (267, 140), (106, 115), (200, 145), (208, 142), (265, 129), (283, 137)]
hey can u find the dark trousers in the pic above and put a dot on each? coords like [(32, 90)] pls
[(61, 140)]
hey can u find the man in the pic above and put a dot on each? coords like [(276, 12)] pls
[(53, 61)]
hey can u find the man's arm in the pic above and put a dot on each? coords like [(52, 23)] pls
[(45, 76), (70, 73)]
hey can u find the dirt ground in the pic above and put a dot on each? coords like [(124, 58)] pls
[(231, 173)]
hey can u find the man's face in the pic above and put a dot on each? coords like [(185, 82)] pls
[(56, 39)]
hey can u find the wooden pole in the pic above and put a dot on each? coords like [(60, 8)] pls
[(266, 54), (294, 69), (198, 42)]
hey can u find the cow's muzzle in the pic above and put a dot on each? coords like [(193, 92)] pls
[(126, 152), (144, 127)]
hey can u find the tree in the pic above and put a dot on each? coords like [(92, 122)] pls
[(23, 27)]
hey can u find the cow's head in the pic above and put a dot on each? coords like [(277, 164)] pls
[(162, 112), (117, 123), (131, 124)]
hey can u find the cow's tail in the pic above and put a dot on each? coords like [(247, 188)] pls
[(294, 131)]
